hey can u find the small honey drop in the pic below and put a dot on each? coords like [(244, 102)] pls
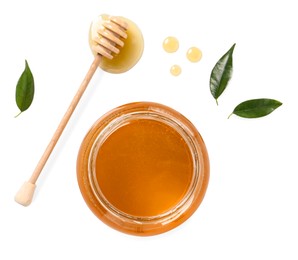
[(175, 70), (194, 54), (170, 44)]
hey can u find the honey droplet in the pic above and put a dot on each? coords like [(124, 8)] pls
[(170, 44), (194, 54), (175, 70)]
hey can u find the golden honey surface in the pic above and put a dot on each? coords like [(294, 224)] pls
[(144, 168)]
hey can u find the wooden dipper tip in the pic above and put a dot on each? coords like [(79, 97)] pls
[(25, 194)]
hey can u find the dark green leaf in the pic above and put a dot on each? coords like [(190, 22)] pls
[(221, 74), (255, 108), (25, 89)]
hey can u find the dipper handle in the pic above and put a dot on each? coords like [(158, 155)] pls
[(25, 194), (108, 42)]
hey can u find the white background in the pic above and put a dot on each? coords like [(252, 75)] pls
[(250, 209)]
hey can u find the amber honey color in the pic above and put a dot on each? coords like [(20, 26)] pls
[(143, 168)]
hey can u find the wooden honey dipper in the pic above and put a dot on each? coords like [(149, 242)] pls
[(109, 39)]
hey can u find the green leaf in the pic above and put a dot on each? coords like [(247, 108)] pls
[(221, 74), (255, 108), (25, 89)]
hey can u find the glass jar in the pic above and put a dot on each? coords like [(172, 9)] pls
[(143, 168)]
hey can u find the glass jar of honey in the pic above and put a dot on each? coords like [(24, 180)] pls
[(143, 168)]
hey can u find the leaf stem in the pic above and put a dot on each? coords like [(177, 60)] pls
[(18, 114), (230, 115)]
